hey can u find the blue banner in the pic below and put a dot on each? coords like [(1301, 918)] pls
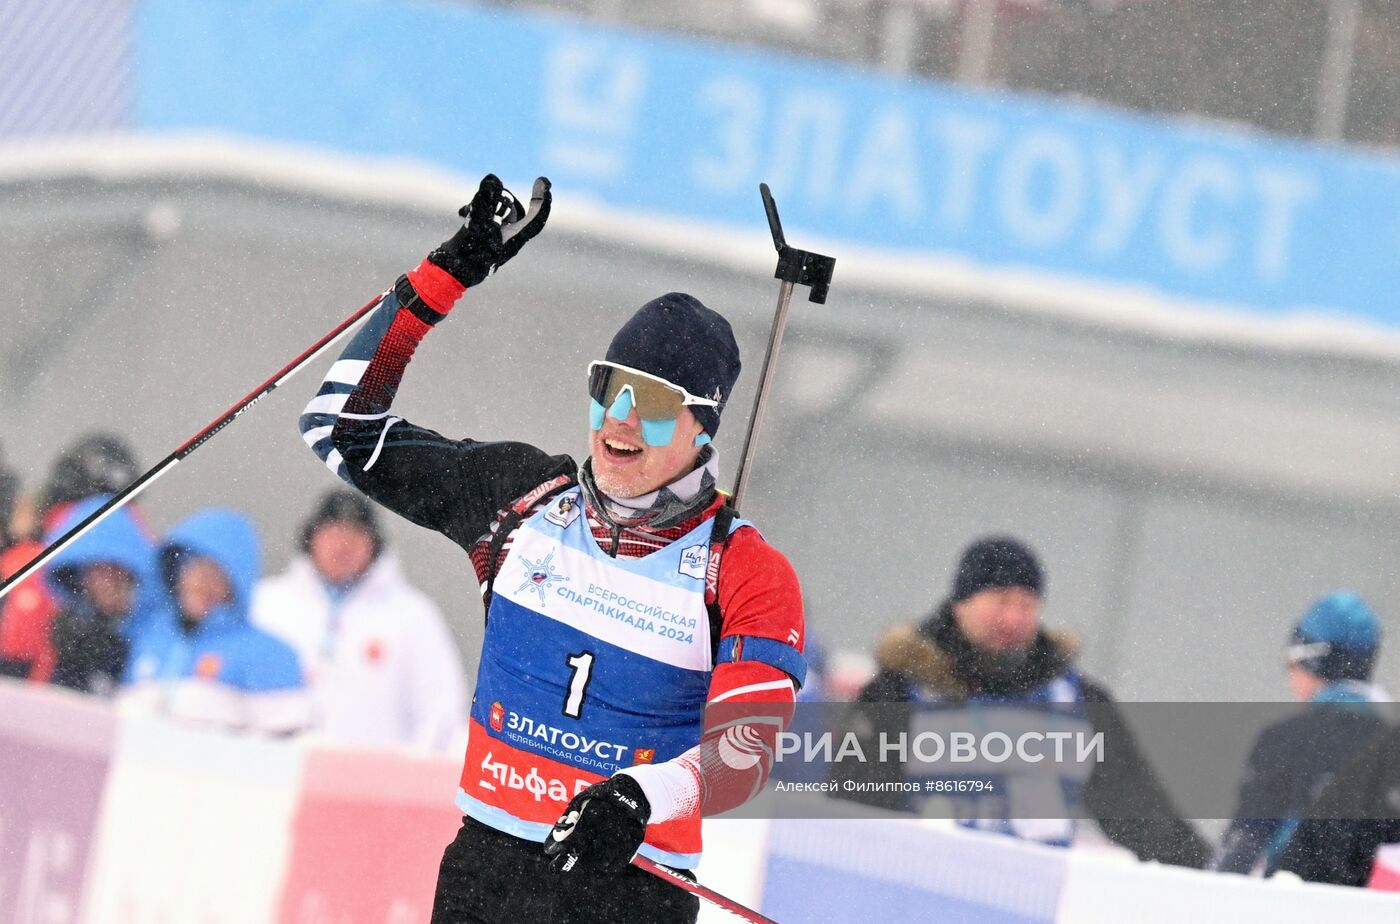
[(685, 128)]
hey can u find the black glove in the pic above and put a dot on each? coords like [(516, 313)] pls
[(601, 829), (495, 229)]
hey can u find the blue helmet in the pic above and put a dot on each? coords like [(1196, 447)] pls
[(1337, 638)]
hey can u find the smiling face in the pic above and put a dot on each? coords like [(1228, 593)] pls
[(625, 466)]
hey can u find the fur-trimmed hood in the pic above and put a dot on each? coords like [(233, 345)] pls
[(936, 654)]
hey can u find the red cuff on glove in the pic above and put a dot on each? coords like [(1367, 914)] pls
[(435, 286)]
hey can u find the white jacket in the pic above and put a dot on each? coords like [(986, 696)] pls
[(383, 667)]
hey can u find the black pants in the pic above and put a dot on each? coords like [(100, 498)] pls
[(489, 877)]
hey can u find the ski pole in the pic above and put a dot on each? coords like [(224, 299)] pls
[(695, 888), (795, 267), (129, 493)]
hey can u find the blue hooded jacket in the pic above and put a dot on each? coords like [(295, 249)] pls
[(117, 540), (223, 647)]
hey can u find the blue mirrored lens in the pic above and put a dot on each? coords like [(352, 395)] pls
[(658, 432)]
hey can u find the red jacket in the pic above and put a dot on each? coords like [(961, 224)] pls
[(28, 614)]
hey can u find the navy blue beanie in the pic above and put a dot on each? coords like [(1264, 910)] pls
[(997, 561), (678, 339)]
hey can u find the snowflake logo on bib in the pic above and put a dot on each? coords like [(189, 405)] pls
[(539, 576)]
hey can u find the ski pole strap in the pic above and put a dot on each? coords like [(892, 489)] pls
[(504, 527), (719, 539)]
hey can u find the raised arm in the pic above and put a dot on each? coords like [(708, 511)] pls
[(452, 486)]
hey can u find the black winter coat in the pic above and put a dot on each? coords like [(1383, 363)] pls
[(1357, 813), (90, 651), (937, 655)]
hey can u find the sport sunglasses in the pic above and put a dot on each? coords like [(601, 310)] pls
[(1303, 651), (652, 396), (616, 389)]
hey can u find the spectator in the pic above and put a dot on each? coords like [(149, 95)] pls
[(13, 556), (381, 663), (208, 665), (985, 643), (1356, 813), (98, 583), (9, 503), (1330, 661), (98, 463)]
